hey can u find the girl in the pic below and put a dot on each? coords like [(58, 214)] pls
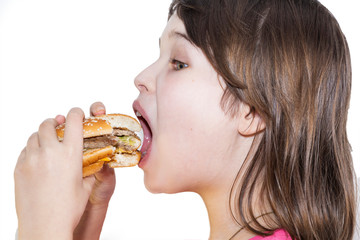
[(246, 106)]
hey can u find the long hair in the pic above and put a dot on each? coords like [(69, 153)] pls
[(290, 62)]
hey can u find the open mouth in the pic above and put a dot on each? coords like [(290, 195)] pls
[(147, 134)]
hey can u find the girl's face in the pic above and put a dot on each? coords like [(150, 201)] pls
[(189, 141)]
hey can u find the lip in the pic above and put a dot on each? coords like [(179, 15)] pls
[(146, 126)]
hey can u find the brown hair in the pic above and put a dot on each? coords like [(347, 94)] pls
[(289, 61)]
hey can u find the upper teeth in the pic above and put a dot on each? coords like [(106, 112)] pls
[(138, 114)]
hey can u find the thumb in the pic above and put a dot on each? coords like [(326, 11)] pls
[(88, 184)]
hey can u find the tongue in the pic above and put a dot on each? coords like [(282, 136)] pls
[(147, 135)]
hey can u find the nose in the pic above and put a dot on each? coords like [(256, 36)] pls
[(146, 80)]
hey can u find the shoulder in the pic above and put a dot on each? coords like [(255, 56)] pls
[(279, 234)]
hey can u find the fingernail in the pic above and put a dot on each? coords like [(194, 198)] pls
[(100, 112)]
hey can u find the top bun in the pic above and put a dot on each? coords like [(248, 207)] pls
[(121, 121), (103, 125), (92, 127)]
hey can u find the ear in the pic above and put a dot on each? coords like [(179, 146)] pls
[(250, 122)]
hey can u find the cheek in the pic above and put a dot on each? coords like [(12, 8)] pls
[(188, 116), (187, 146)]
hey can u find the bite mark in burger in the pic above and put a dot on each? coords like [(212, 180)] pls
[(109, 139)]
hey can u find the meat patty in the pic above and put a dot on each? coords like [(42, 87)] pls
[(115, 139), (122, 132), (100, 142)]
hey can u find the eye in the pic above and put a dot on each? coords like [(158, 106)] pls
[(177, 65)]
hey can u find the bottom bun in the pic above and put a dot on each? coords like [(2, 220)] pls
[(92, 169), (91, 156), (94, 159), (125, 160)]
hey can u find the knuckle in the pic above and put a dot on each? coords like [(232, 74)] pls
[(77, 111), (32, 138), (71, 151), (26, 163), (17, 174), (47, 159), (18, 170), (47, 123), (46, 152), (33, 135), (32, 157)]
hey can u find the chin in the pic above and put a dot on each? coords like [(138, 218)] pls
[(160, 185)]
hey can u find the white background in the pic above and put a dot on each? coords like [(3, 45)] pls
[(55, 55)]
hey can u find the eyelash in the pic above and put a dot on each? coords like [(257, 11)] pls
[(178, 65)]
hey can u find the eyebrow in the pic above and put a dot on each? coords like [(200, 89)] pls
[(177, 34)]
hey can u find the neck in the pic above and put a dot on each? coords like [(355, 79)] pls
[(222, 224), (220, 208), (218, 203)]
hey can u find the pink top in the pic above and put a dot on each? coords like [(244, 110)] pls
[(279, 234)]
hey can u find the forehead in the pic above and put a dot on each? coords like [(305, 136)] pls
[(174, 25)]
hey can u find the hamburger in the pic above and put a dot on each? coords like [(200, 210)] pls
[(108, 139)]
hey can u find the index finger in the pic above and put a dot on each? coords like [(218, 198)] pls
[(73, 134)]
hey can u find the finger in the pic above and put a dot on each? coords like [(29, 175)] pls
[(33, 141), (22, 156), (47, 133), (105, 173), (97, 108), (19, 167), (60, 119), (88, 184), (73, 134)]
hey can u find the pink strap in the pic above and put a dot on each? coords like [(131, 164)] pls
[(279, 234)]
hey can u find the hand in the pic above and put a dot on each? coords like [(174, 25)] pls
[(92, 220), (50, 193)]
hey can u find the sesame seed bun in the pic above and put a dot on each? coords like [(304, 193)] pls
[(121, 121), (92, 127)]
